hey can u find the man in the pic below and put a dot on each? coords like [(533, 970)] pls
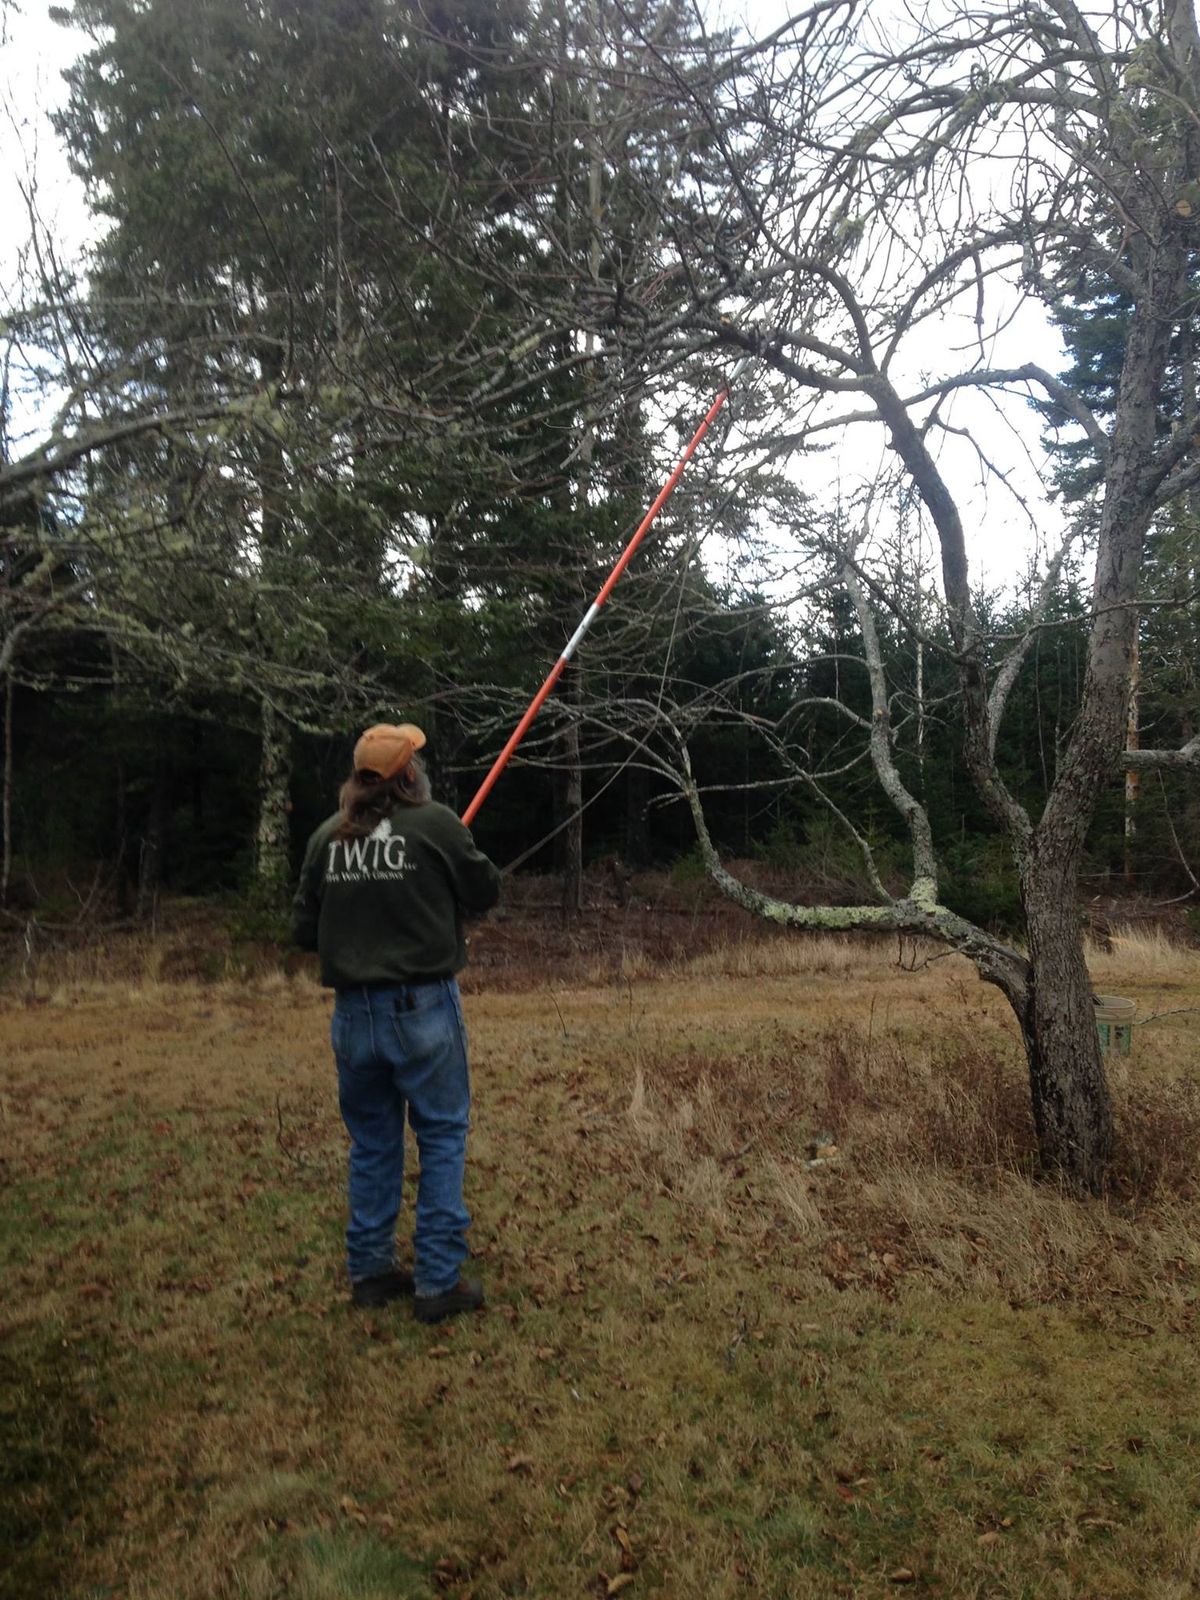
[(385, 885)]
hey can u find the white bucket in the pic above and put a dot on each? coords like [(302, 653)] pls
[(1114, 1022)]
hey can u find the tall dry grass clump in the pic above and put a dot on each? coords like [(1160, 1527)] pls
[(1141, 954), (957, 1106), (796, 956), (886, 1158)]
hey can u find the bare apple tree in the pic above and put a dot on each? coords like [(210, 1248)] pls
[(884, 185)]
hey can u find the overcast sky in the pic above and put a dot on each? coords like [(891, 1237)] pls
[(34, 51)]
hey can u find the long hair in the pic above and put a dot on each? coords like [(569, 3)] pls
[(365, 799)]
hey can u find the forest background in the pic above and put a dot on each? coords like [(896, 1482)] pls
[(322, 234)]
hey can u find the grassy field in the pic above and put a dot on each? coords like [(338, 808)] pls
[(708, 1368)]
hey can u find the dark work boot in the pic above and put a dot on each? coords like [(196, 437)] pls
[(466, 1295), (377, 1291)]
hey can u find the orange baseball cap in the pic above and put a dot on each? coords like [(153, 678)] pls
[(387, 749)]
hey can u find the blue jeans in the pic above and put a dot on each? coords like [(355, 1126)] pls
[(399, 1049)]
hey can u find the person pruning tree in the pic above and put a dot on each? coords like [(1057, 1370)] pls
[(385, 885), (383, 890)]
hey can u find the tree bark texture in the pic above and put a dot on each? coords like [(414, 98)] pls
[(272, 867), (1072, 1109), (637, 822), (1133, 778)]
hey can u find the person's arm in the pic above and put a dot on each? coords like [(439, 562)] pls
[(475, 879), (306, 907)]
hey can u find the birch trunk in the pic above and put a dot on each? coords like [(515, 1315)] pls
[(6, 819), (272, 868)]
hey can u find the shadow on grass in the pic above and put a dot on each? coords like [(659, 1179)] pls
[(51, 1474)]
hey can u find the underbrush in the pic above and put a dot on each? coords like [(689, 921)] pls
[(1144, 954), (634, 928), (518, 948), (894, 1159)]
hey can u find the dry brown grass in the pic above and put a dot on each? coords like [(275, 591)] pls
[(802, 955), (1144, 955), (707, 1366)]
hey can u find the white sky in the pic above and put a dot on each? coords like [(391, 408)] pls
[(1003, 529), (33, 54), (34, 51)]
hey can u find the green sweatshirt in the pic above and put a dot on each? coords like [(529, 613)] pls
[(388, 908)]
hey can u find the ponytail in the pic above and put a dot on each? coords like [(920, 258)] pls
[(365, 798)]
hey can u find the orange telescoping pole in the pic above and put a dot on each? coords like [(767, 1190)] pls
[(590, 615)]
